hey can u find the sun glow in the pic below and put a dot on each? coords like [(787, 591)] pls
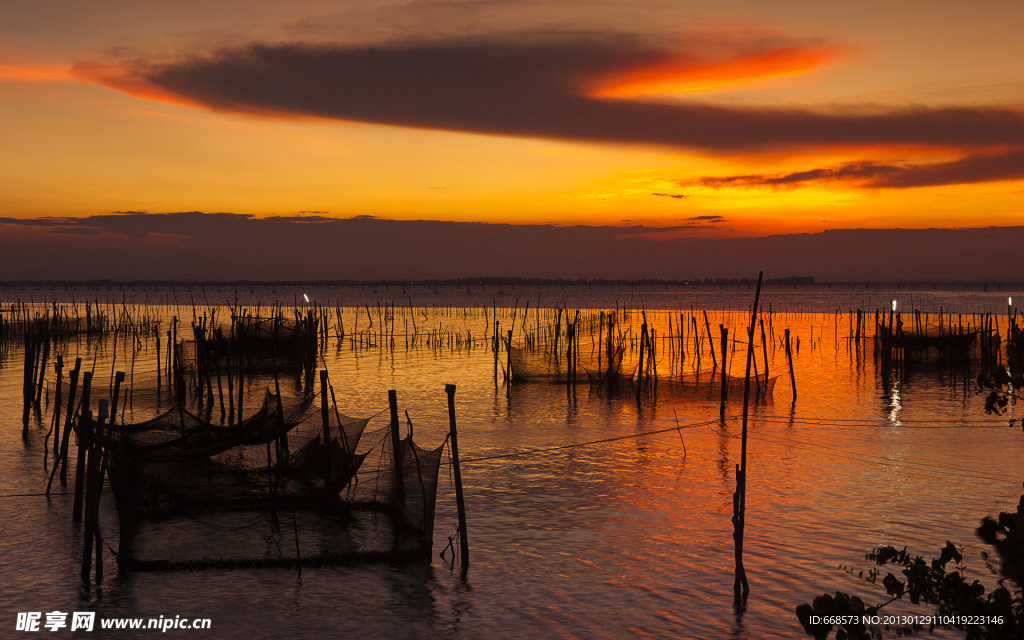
[(686, 75)]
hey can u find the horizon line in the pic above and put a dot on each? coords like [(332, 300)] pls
[(502, 281)]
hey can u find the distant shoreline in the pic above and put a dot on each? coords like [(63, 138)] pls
[(808, 281)]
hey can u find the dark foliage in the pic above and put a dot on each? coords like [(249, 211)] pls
[(953, 600)]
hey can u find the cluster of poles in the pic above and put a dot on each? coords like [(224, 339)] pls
[(955, 341), (257, 341), (94, 437), (251, 335), (607, 339)]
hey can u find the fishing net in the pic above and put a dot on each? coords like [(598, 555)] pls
[(703, 385), (537, 366), (543, 365), (929, 342), (143, 395), (267, 490)]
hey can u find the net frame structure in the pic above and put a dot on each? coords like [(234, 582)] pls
[(957, 345), (191, 493)]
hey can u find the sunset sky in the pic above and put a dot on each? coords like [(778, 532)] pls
[(718, 120)]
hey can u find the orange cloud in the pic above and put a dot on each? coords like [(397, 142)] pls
[(130, 81), (533, 88), (690, 75), (969, 169), (32, 73), (124, 80)]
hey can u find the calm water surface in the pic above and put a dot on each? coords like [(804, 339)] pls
[(629, 538)]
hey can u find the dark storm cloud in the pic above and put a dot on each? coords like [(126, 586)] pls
[(137, 224), (970, 169), (224, 246), (533, 86)]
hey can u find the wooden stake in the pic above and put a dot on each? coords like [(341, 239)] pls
[(156, 333), (84, 442), (789, 359), (56, 409), (66, 437), (711, 343), (460, 500), (740, 587), (326, 428), (27, 381), (508, 361), (494, 346), (92, 433), (640, 361), (725, 387), (104, 444), (396, 444), (764, 350), (42, 370)]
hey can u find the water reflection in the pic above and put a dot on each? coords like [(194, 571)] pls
[(895, 404), (593, 539), (723, 453)]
